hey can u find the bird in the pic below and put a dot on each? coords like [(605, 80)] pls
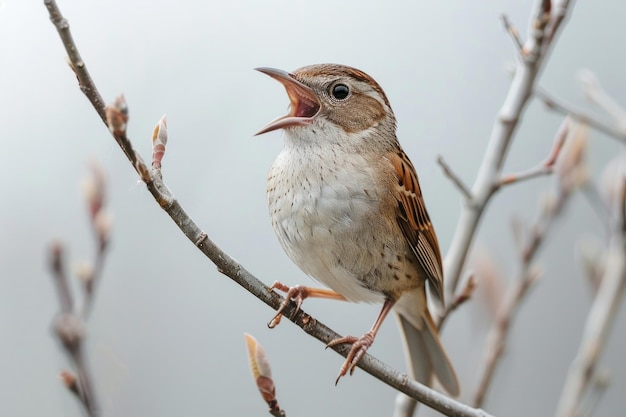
[(345, 203)]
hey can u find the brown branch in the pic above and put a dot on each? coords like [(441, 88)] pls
[(69, 330), (69, 325), (227, 265), (57, 266)]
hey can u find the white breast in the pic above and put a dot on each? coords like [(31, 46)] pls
[(324, 213)]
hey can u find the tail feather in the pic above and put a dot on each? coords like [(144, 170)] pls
[(424, 352)]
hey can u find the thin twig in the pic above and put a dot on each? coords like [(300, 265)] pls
[(598, 95), (456, 180), (92, 282), (599, 321), (567, 109), (598, 387), (229, 267), (545, 167), (460, 299), (57, 266), (515, 295), (513, 32), (570, 169)]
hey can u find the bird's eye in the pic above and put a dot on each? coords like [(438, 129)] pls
[(340, 91)]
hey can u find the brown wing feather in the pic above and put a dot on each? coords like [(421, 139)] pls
[(415, 222)]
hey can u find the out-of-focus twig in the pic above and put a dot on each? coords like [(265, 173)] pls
[(570, 166), (560, 106), (513, 32), (598, 95), (600, 318), (100, 220), (68, 327)]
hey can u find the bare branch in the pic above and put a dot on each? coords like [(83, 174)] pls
[(599, 321), (567, 109), (505, 125), (496, 340), (57, 266), (68, 325), (598, 95), (94, 190), (570, 165), (513, 32), (460, 299), (598, 387), (456, 180), (544, 168)]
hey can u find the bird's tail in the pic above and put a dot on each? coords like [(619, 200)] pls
[(424, 352)]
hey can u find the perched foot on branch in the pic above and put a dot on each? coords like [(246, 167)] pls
[(359, 347), (298, 293)]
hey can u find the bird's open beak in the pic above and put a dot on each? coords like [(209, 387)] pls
[(304, 103)]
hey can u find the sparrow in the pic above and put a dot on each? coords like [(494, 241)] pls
[(347, 208)]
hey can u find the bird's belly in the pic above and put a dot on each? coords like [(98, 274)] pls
[(332, 230)]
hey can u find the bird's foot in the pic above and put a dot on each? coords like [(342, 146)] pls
[(359, 347), (296, 293)]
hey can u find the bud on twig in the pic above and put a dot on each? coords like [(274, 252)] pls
[(103, 223), (571, 169), (262, 373), (159, 140), (84, 271), (70, 380), (70, 330), (117, 116), (94, 189)]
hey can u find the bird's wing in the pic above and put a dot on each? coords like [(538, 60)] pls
[(414, 221)]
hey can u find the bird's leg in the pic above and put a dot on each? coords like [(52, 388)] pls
[(361, 344), (298, 293)]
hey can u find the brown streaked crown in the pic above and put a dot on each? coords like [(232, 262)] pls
[(336, 70)]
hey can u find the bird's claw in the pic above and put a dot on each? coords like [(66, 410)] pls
[(358, 349), (296, 293)]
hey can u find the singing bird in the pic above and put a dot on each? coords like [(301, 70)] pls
[(346, 205)]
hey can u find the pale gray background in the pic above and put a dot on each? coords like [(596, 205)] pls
[(165, 337)]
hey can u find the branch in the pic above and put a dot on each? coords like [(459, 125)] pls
[(599, 321), (113, 117), (570, 169), (486, 183), (568, 109), (456, 180), (544, 168), (513, 33), (598, 95), (69, 330)]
